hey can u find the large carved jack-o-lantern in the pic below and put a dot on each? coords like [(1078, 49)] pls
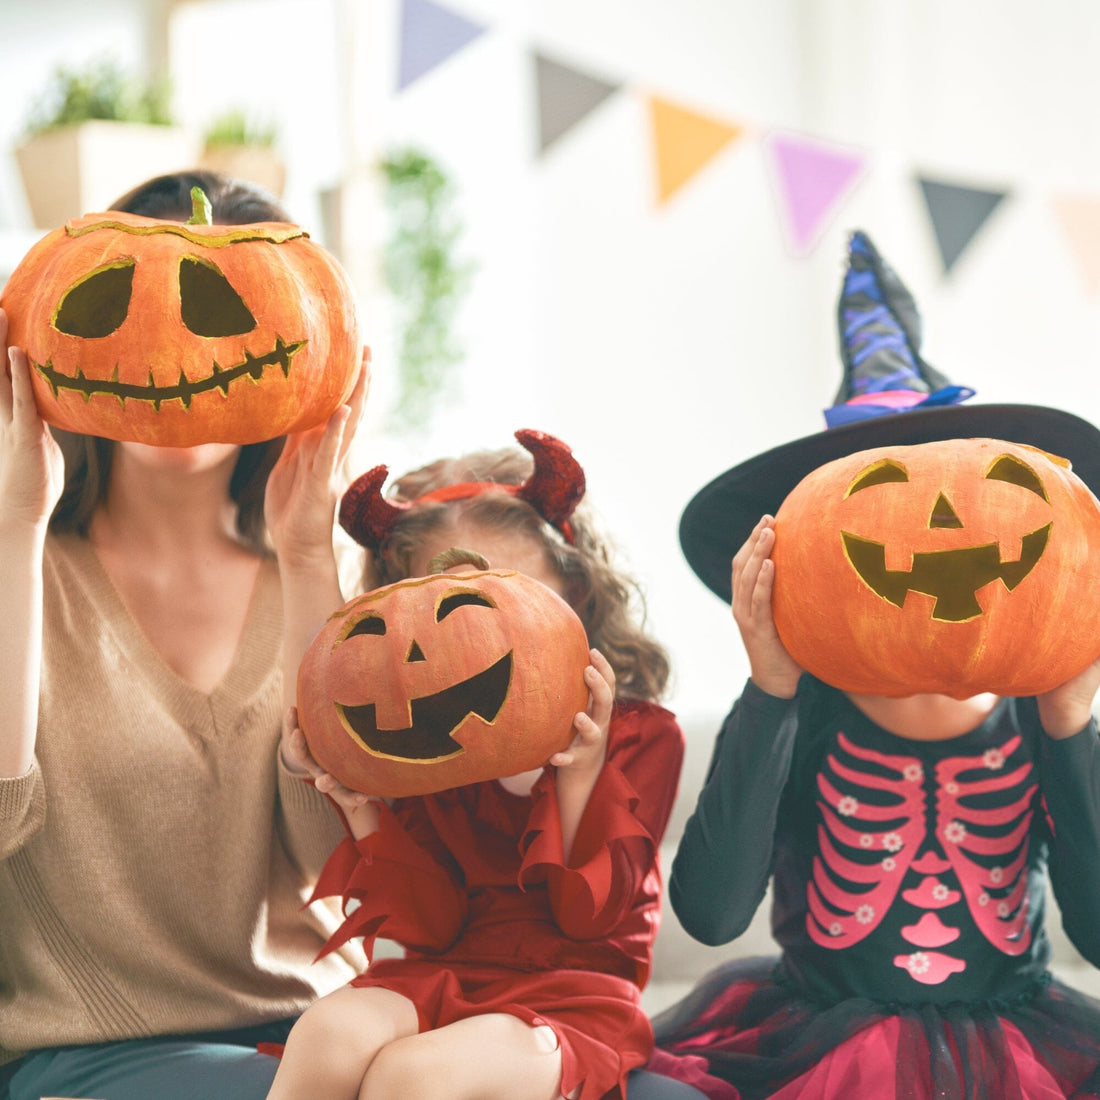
[(956, 567), (159, 332), (440, 681)]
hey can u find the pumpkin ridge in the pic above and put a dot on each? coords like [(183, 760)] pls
[(184, 390)]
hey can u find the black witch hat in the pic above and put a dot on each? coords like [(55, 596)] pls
[(889, 396)]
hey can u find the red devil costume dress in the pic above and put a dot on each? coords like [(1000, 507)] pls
[(908, 900), (472, 883)]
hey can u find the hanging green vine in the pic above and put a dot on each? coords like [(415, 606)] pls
[(424, 277)]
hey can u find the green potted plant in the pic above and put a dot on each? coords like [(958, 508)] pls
[(239, 145), (426, 279), (93, 134)]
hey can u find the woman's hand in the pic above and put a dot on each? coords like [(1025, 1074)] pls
[(32, 470), (359, 810), (585, 755), (1066, 710), (302, 490), (751, 578)]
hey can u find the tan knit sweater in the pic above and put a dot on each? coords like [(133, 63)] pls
[(154, 861)]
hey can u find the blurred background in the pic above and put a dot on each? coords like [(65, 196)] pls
[(619, 221)]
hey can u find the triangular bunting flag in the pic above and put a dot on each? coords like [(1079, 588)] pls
[(1080, 218), (565, 97), (684, 142), (813, 177), (957, 213), (429, 35)]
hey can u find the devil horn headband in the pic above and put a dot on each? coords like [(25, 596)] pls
[(554, 490)]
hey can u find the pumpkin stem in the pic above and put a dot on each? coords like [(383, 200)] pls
[(456, 556), (202, 213)]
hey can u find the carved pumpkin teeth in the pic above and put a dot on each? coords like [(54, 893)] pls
[(184, 390), (951, 577), (434, 718)]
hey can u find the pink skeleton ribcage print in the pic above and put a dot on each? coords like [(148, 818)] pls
[(876, 830)]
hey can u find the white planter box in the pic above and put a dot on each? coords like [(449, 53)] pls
[(82, 169), (262, 166)]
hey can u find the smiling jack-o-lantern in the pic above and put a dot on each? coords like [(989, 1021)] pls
[(439, 681), (955, 567), (159, 332)]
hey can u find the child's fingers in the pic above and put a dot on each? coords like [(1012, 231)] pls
[(600, 694), (746, 565), (603, 667), (589, 730), (748, 597)]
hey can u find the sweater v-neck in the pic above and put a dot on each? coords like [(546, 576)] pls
[(249, 669)]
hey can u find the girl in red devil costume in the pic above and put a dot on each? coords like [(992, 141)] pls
[(527, 906), (908, 840)]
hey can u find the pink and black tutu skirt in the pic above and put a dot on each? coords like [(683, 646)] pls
[(746, 1032)]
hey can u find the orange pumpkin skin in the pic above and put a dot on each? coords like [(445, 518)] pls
[(441, 681), (954, 567), (102, 307)]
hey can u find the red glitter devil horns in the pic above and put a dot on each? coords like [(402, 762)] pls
[(554, 489)]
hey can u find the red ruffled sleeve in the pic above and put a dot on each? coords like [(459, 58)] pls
[(616, 843), (392, 887)]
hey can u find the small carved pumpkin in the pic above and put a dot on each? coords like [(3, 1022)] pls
[(160, 332), (439, 681), (954, 567)]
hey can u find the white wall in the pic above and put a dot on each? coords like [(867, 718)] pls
[(665, 344)]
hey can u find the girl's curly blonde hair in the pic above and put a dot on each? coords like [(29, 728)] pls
[(608, 602)]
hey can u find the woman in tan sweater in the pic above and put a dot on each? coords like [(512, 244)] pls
[(155, 851)]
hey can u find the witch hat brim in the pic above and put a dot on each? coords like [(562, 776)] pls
[(721, 516)]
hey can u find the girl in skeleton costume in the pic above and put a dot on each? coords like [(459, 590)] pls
[(527, 906), (908, 839)]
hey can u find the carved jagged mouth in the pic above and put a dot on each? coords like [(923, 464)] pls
[(434, 717), (950, 576), (185, 390)]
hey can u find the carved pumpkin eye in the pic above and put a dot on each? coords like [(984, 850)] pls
[(879, 474), (1010, 469), (372, 624), (209, 306), (97, 305), (460, 599)]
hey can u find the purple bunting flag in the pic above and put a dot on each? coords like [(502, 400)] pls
[(812, 178), (429, 35)]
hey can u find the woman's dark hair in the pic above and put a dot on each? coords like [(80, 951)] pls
[(87, 457)]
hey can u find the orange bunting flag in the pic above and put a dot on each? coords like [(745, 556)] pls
[(684, 142)]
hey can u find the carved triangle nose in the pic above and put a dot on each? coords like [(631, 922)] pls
[(415, 654), (943, 515)]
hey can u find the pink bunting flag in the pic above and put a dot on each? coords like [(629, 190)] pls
[(813, 178), (1079, 216)]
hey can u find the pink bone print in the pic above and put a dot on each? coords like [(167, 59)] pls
[(996, 895), (892, 831)]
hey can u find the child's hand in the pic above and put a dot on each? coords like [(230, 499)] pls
[(359, 810), (584, 757), (752, 575), (1066, 710), (32, 470), (302, 490)]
